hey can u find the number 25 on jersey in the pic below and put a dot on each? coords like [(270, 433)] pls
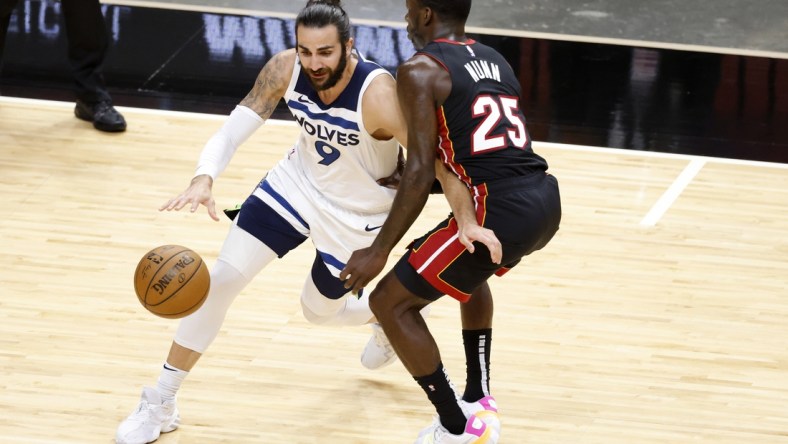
[(491, 108)]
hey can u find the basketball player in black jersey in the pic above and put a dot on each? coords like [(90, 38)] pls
[(461, 104)]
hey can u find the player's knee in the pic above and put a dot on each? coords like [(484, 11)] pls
[(391, 300), (317, 308), (323, 310), (315, 318), (321, 298), (377, 301), (381, 300), (319, 315)]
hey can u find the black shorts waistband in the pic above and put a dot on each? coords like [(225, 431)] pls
[(515, 183)]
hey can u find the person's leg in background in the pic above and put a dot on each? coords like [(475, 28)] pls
[(88, 41), (6, 8)]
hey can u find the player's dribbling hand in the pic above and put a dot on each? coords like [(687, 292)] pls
[(198, 192), (470, 233)]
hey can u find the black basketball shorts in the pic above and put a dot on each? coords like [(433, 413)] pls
[(524, 212)]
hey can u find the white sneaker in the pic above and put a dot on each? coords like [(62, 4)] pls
[(378, 352), (485, 409), (150, 419), (476, 432)]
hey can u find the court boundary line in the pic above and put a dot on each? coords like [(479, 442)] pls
[(471, 29), (536, 144), (162, 112), (682, 181), (660, 154)]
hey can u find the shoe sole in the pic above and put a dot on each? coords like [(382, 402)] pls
[(99, 126), (109, 128)]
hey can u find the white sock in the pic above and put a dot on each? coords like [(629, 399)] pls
[(169, 382)]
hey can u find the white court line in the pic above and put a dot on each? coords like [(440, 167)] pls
[(630, 152), (672, 193), (470, 29), (536, 144), (127, 109), (652, 217)]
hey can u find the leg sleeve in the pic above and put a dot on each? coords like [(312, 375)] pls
[(347, 310), (241, 258)]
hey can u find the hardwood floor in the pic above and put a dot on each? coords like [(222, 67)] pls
[(623, 330)]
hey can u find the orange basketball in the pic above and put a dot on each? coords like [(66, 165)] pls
[(171, 281)]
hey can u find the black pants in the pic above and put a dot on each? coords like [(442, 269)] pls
[(88, 41)]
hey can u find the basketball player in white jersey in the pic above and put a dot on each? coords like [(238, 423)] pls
[(327, 187)]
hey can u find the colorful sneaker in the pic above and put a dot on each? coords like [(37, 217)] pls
[(485, 409), (476, 432), (150, 419), (378, 352)]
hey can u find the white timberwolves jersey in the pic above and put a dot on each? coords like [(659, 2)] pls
[(337, 155)]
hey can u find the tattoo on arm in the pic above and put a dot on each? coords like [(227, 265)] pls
[(269, 87)]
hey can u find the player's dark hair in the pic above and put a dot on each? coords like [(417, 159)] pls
[(456, 11), (321, 13)]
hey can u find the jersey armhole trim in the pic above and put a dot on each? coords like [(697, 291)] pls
[(440, 62)]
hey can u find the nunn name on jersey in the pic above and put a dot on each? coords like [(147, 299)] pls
[(482, 69)]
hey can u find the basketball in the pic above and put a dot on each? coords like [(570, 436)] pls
[(171, 281)]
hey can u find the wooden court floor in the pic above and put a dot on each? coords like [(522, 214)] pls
[(659, 314)]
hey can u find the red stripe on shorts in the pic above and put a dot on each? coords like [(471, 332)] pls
[(434, 255)]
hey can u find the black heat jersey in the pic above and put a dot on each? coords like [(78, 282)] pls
[(481, 128), (483, 139)]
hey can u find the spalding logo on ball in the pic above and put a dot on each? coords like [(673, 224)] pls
[(171, 281)]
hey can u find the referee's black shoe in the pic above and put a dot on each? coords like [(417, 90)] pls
[(103, 115)]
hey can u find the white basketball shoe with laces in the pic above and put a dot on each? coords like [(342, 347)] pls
[(476, 432), (378, 352), (150, 419)]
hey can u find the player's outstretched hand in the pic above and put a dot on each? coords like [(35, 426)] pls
[(198, 192), (363, 266), (471, 233)]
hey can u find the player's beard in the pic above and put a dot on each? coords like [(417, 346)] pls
[(334, 75)]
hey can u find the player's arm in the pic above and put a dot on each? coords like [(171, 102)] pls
[(416, 91), (383, 119), (245, 119), (386, 119), (382, 114), (462, 206), (271, 84)]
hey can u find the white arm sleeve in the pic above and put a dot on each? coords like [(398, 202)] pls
[(220, 148)]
